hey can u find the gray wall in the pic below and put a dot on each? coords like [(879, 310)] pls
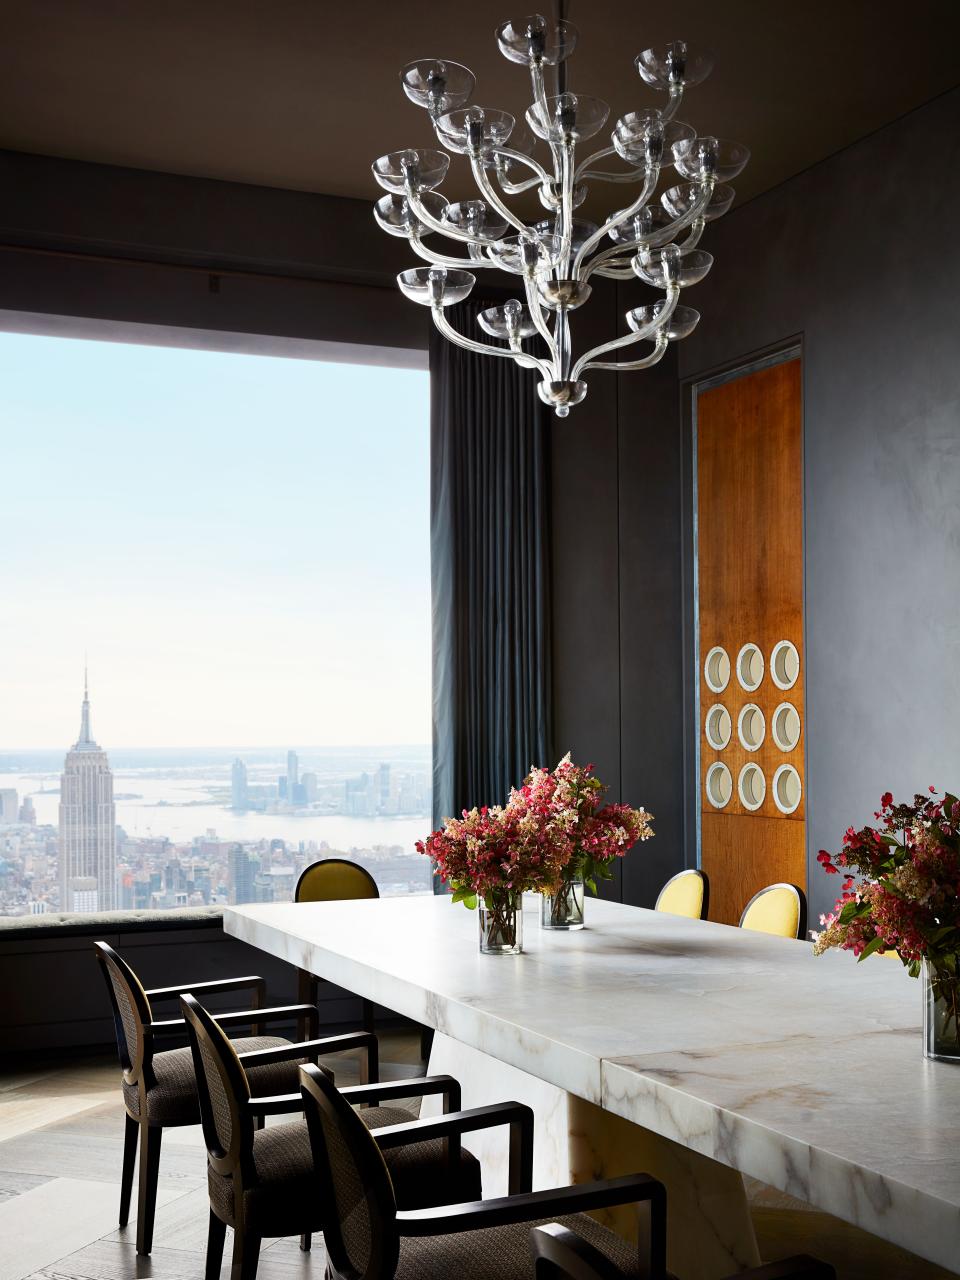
[(857, 257)]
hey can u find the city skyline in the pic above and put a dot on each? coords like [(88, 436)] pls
[(264, 580)]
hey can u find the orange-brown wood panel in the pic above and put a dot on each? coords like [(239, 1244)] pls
[(750, 591)]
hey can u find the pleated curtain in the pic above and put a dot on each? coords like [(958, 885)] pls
[(490, 548)]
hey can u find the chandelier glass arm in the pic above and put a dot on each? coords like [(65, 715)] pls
[(508, 154), (655, 356), (442, 228), (647, 331), (535, 307), (664, 236), (673, 104), (523, 358), (490, 194), (649, 186), (441, 260)]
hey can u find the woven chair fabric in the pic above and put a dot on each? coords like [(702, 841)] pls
[(173, 1099), (503, 1252)]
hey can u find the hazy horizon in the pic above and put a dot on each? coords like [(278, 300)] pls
[(239, 544)]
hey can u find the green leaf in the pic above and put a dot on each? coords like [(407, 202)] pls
[(870, 948)]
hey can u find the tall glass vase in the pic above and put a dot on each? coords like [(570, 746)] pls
[(563, 909), (501, 924), (941, 1014)]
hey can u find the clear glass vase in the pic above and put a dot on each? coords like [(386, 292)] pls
[(501, 925), (941, 1014), (563, 909)]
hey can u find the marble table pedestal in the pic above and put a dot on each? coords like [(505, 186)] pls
[(709, 1231)]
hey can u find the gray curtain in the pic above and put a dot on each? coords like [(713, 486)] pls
[(490, 481)]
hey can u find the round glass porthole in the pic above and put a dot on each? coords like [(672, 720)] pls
[(716, 669), (787, 789), (719, 785), (751, 727), (750, 667), (785, 726), (718, 726), (752, 786), (784, 664)]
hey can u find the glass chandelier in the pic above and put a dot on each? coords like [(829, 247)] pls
[(652, 240)]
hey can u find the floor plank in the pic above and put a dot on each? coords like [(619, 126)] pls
[(55, 1219)]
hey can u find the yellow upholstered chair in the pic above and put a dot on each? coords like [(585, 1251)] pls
[(333, 880), (686, 894), (780, 909)]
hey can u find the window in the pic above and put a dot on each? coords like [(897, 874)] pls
[(238, 548)]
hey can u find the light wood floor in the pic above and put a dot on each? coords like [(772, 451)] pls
[(61, 1148)]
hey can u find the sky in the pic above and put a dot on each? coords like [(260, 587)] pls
[(239, 544)]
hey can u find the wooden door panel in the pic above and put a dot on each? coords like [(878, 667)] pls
[(750, 591)]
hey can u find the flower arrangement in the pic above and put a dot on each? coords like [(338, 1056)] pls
[(901, 892), (553, 829), (570, 798)]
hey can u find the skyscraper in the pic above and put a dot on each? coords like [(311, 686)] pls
[(293, 775), (238, 784), (9, 808), (88, 831)]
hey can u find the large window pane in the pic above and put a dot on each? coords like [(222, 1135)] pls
[(238, 547)]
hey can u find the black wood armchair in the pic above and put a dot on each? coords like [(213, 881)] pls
[(559, 1253), (264, 1183), (370, 1237), (159, 1086)]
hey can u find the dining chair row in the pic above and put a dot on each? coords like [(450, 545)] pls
[(779, 909), (395, 1196)]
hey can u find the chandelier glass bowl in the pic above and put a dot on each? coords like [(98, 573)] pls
[(652, 239)]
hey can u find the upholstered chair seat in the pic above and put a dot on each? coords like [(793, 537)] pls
[(504, 1252), (172, 1097)]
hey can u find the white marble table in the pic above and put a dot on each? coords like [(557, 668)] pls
[(804, 1072)]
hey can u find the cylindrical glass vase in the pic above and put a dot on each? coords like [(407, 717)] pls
[(563, 909), (501, 925), (941, 1014)]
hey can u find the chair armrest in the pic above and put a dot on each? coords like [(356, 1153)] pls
[(311, 1049), (278, 1013), (562, 1254), (800, 1267), (420, 1088), (637, 1188), (276, 1104), (517, 1115), (251, 982)]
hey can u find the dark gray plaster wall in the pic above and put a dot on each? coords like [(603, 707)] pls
[(856, 258), (859, 256)]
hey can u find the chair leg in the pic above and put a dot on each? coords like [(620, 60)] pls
[(147, 1198), (246, 1255), (216, 1234), (305, 1242), (130, 1134)]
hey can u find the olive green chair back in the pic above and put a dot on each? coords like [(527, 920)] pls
[(333, 880)]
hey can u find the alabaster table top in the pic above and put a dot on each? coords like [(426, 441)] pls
[(804, 1072)]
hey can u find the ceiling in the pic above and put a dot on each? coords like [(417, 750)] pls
[(303, 94)]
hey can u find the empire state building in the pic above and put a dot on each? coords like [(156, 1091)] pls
[(88, 833)]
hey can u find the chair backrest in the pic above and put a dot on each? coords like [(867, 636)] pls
[(360, 1209), (334, 880), (779, 908), (222, 1089), (686, 894), (131, 1011)]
